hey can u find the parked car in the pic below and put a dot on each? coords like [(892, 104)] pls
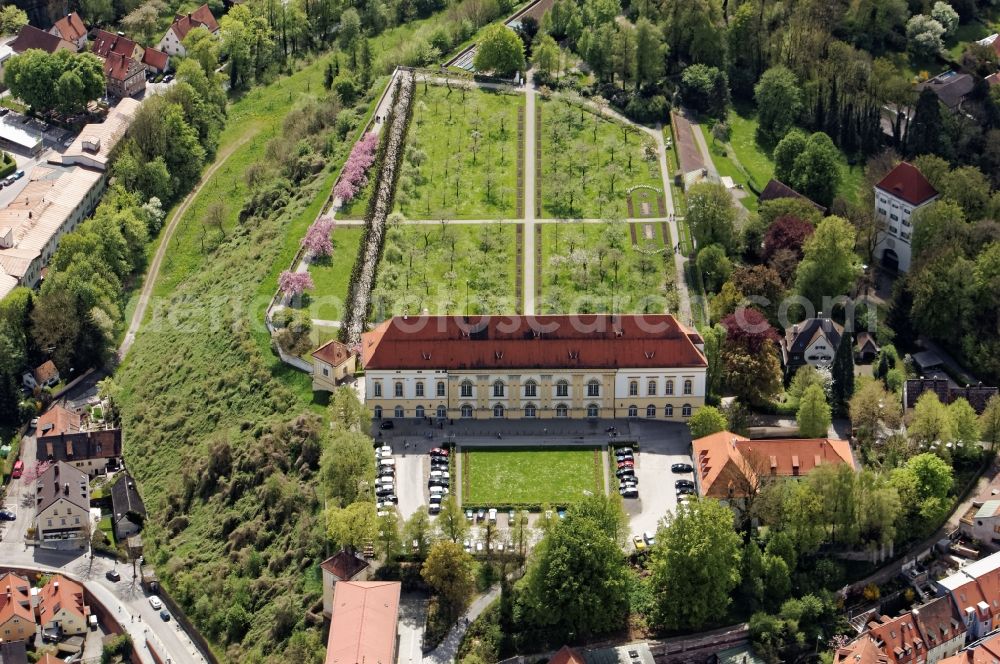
[(682, 468), (113, 576), (439, 451), (442, 474), (626, 464), (389, 461), (155, 602), (467, 545), (164, 616), (390, 499), (7, 515), (384, 451), (479, 547), (439, 463), (468, 515), (168, 78), (386, 471), (623, 450), (510, 517), (493, 515), (435, 499), (387, 424), (437, 481), (622, 472), (480, 515), (18, 175), (685, 491), (383, 491), (434, 508), (640, 544), (9, 180), (628, 480), (629, 492), (688, 484), (624, 457), (650, 537), (442, 490)]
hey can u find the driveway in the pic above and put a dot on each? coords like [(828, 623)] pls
[(412, 616), (661, 445), (411, 479)]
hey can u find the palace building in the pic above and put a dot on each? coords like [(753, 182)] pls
[(495, 367)]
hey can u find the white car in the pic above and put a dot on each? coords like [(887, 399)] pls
[(439, 475), (493, 515), (649, 537), (439, 491), (384, 451), (155, 602), (389, 461)]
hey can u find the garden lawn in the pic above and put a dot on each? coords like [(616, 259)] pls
[(332, 275), (594, 267), (434, 267), (499, 477), (461, 160), (588, 162), (967, 33)]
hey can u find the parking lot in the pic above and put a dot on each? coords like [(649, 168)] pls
[(658, 445)]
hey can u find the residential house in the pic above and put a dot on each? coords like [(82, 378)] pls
[(985, 651), (342, 566), (814, 341), (125, 77), (128, 510), (567, 655), (775, 189), (15, 652), (17, 619), (947, 392), (925, 635), (984, 525), (332, 362), (106, 43), (865, 348), (50, 205), (45, 375), (942, 628), (951, 88), (62, 508), (860, 651), (31, 37), (898, 196), (975, 592), (155, 61), (899, 639), (363, 627), (585, 366), (61, 607), (63, 435), (172, 42), (93, 146), (727, 465), (71, 28)]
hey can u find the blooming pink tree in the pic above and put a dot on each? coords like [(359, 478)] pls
[(295, 283), (317, 239), (354, 176)]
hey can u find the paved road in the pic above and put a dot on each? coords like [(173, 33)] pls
[(411, 479), (161, 250), (447, 651), (683, 296), (661, 447), (529, 195), (412, 616), (548, 220)]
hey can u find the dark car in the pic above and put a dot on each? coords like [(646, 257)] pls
[(622, 472), (623, 457), (7, 515), (164, 616), (623, 450), (440, 461), (682, 468), (388, 424), (688, 484), (437, 481), (629, 492), (113, 575), (383, 491), (685, 491), (386, 471)]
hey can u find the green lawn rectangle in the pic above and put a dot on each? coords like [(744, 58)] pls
[(554, 476), (332, 275)]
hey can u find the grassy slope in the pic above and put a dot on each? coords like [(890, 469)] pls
[(577, 149), (556, 477), (332, 276)]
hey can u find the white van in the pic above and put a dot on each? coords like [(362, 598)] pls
[(493, 515), (387, 462)]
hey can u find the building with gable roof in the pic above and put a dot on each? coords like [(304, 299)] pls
[(775, 189), (125, 77), (363, 625), (898, 196), (92, 147), (567, 655), (17, 618), (128, 512), (813, 341), (514, 367), (71, 28), (61, 606), (342, 566), (727, 466), (975, 592), (31, 37), (332, 363), (172, 42), (67, 436), (62, 508), (925, 635), (44, 375), (985, 651)]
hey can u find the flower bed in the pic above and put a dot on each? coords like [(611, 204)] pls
[(387, 163)]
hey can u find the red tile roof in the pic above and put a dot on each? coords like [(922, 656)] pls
[(201, 17), (15, 598), (120, 67), (45, 372), (986, 651), (31, 37), (567, 655), (899, 639), (363, 623), (725, 461), (540, 342), (154, 58), (58, 420), (332, 352), (60, 593), (71, 27), (106, 43), (861, 651), (907, 183), (344, 565)]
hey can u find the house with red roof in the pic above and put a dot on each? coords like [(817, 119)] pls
[(363, 625), (514, 367), (61, 606), (567, 655), (44, 375), (68, 436), (333, 362), (984, 651), (728, 466), (173, 41), (975, 591), (898, 196), (17, 618), (924, 635), (342, 566), (71, 28), (125, 77), (31, 37), (155, 61)]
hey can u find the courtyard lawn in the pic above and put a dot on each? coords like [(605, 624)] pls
[(461, 155), (588, 162), (446, 269), (499, 477), (332, 275), (594, 267)]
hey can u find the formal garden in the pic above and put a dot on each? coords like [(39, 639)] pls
[(606, 266), (588, 162), (530, 478), (446, 269), (461, 156)]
